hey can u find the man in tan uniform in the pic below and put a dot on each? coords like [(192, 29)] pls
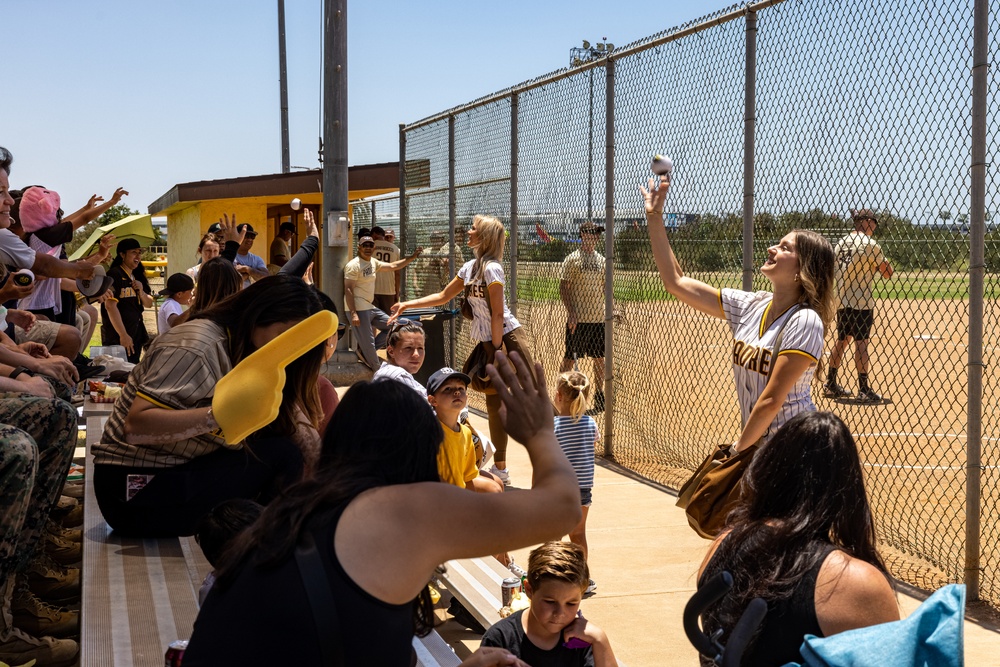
[(859, 260), (581, 288)]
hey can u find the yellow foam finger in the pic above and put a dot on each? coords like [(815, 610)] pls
[(249, 396)]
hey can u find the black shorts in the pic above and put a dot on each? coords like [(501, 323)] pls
[(856, 324), (587, 341)]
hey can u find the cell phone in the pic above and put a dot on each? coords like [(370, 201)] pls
[(575, 642)]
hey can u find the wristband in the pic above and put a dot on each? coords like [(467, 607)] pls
[(18, 371)]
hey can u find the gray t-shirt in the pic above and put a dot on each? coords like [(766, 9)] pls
[(15, 252)]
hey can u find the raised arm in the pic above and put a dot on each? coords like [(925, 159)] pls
[(93, 210), (450, 291), (436, 520), (698, 295), (399, 263)]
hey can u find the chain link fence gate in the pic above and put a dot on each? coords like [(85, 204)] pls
[(778, 115)]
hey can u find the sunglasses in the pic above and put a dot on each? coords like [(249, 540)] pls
[(367, 245)]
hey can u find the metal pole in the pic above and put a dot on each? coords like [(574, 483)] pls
[(609, 260), (512, 283), (403, 209), (977, 268), (283, 86), (452, 212), (749, 121), (333, 258), (374, 223), (590, 154)]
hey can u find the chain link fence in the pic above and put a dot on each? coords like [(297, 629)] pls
[(778, 115)]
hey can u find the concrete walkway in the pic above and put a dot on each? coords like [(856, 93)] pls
[(644, 557)]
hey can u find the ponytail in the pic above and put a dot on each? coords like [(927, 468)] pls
[(575, 388)]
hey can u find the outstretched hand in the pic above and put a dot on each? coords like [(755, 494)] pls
[(310, 220), (655, 197), (228, 229), (526, 409), (395, 311)]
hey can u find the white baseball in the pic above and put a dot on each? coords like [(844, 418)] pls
[(662, 165), (296, 204)]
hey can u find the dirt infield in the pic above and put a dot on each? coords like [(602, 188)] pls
[(674, 400)]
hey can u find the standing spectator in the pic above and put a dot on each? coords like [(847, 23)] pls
[(207, 249), (178, 293), (386, 285), (281, 251), (859, 260), (359, 292), (581, 288), (121, 315), (250, 266)]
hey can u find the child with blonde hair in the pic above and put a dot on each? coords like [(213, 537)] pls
[(577, 434)]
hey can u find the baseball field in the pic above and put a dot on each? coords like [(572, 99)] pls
[(674, 401)]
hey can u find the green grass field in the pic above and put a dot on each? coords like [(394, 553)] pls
[(631, 286)]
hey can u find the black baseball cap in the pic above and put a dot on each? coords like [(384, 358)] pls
[(438, 378), (287, 226), (249, 229), (177, 282), (215, 228)]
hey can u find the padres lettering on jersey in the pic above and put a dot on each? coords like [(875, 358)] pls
[(752, 353), (476, 292)]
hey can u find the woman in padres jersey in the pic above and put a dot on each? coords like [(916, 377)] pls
[(801, 270), (494, 325)]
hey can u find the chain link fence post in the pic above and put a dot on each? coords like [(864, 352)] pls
[(749, 123), (514, 235), (402, 200), (609, 255), (977, 269)]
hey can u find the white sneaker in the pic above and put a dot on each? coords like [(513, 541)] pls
[(503, 475)]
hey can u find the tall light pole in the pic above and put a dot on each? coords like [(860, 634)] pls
[(283, 88), (579, 56)]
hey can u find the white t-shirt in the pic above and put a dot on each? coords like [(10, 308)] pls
[(15, 252), (859, 257), (388, 371), (169, 307), (583, 273), (492, 275), (385, 282), (753, 348), (48, 291), (364, 274)]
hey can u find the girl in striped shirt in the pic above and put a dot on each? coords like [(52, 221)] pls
[(577, 434)]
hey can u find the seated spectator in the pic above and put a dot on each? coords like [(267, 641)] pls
[(208, 248), (447, 393), (178, 293), (404, 352), (217, 530), (380, 529), (121, 315), (162, 462), (803, 539), (552, 632), (37, 440)]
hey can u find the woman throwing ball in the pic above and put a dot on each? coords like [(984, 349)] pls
[(801, 270)]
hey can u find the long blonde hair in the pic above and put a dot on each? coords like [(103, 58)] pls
[(574, 387), (492, 240), (817, 265)]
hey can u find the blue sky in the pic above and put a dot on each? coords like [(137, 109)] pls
[(149, 94)]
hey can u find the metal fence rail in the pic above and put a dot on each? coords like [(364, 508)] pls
[(778, 115)]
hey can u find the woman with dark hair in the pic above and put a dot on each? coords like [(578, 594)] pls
[(381, 522), (802, 538), (162, 462), (404, 355), (217, 281), (800, 268), (121, 315)]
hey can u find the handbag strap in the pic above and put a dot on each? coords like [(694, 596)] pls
[(777, 341), (321, 601)]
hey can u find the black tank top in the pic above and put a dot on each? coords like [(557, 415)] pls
[(787, 621), (264, 618)]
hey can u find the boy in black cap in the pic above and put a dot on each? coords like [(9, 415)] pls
[(447, 392), (178, 292)]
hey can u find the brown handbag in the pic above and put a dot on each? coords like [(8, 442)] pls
[(475, 367), (714, 490)]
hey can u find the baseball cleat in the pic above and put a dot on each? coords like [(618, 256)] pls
[(869, 396), (835, 391)]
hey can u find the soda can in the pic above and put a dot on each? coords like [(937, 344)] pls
[(508, 588), (175, 653)]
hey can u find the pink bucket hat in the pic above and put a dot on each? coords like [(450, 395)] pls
[(38, 209)]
